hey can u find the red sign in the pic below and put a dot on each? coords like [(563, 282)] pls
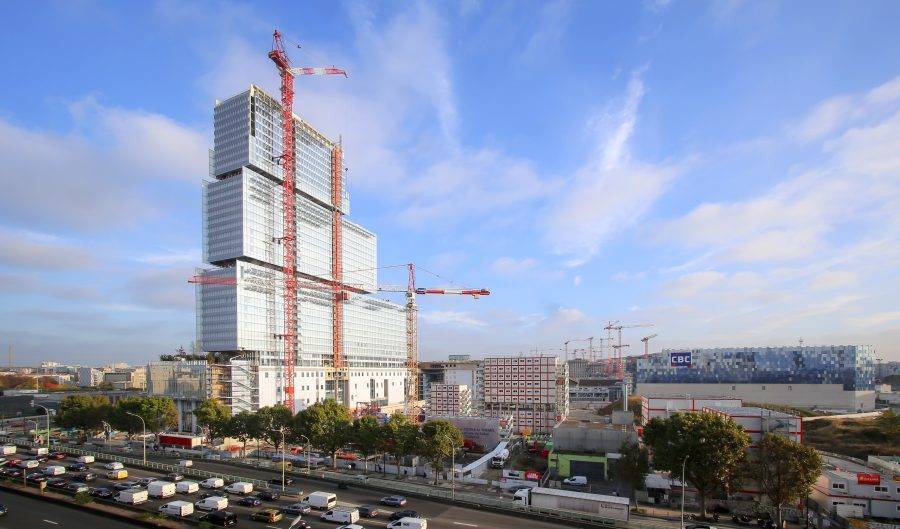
[(868, 478), (532, 475)]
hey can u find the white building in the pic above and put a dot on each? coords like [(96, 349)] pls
[(845, 484), (449, 400), (533, 390), (653, 407), (89, 377), (240, 305), (758, 422)]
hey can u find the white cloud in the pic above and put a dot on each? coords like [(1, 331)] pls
[(451, 317), (840, 111), (551, 28), (689, 285), (171, 257), (576, 281), (40, 251), (876, 319), (513, 266), (834, 279)]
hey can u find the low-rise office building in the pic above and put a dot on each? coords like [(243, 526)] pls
[(449, 400), (849, 487)]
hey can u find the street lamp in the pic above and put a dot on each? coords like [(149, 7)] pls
[(143, 437), (308, 443), (48, 422), (35, 426), (683, 466), (281, 431)]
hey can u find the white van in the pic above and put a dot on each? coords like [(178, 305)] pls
[(87, 460), (177, 508), (160, 489), (28, 463), (114, 465), (132, 496), (408, 523), (212, 483), (187, 487), (213, 503), (54, 470), (240, 487), (7, 450), (40, 450), (185, 463), (341, 515), (320, 500)]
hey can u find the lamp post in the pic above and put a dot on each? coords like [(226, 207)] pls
[(683, 467), (35, 426), (48, 422), (281, 431), (143, 437), (308, 443)]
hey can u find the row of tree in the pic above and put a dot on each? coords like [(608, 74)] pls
[(88, 413), (329, 427), (711, 451)]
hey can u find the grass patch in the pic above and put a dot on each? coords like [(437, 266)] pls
[(799, 412), (83, 498), (852, 437)]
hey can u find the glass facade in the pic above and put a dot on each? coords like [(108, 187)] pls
[(849, 365)]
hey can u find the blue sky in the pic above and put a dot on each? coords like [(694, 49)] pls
[(727, 171)]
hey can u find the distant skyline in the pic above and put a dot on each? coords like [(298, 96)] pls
[(728, 171)]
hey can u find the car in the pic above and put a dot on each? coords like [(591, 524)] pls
[(41, 458), (12, 463), (403, 514), (350, 526), (250, 501), (57, 455), (113, 465), (36, 477), (3, 510), (517, 488), (174, 477), (343, 486), (268, 495), (57, 483), (368, 511), (88, 476), (267, 516), (300, 524), (76, 467), (15, 472), (220, 518), (296, 508), (125, 485), (76, 487), (277, 481), (699, 526), (102, 492), (146, 481), (393, 501), (575, 481)]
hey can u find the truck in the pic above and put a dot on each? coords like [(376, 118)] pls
[(179, 440), (7, 450), (85, 459), (240, 487), (40, 450), (187, 487), (177, 508), (611, 507), (213, 503), (54, 470), (320, 500), (160, 489), (342, 515), (212, 483), (132, 496)]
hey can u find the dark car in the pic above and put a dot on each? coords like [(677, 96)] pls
[(36, 477), (88, 476), (343, 486), (76, 467), (268, 495), (76, 487), (3, 510), (277, 481), (250, 501), (57, 483), (102, 492), (220, 518), (125, 485), (368, 511), (174, 477), (296, 508), (403, 514), (393, 501), (41, 459), (267, 516), (57, 455), (300, 524), (12, 462)]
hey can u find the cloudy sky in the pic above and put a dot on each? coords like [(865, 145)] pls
[(727, 171)]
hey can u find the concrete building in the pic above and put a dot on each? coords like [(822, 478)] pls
[(449, 400), (458, 369), (590, 437), (89, 377), (187, 383), (131, 378), (593, 393), (240, 303), (848, 486), (533, 390), (653, 407), (837, 377), (758, 422)]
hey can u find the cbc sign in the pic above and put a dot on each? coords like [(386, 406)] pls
[(680, 359)]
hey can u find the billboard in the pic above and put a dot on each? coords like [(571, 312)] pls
[(868, 478), (680, 359)]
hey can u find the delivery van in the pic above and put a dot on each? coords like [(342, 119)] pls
[(117, 474), (185, 463), (213, 503), (177, 508), (320, 500), (40, 450), (7, 450), (132, 496), (160, 489), (187, 487), (341, 515), (87, 460), (240, 487), (212, 483), (408, 523), (28, 463), (54, 470)]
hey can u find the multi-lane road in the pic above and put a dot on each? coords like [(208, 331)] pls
[(31, 513)]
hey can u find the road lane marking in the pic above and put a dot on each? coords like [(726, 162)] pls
[(466, 524), (51, 521)]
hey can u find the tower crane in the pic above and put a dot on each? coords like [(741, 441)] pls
[(617, 366), (646, 340), (279, 56)]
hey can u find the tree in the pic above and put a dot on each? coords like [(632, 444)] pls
[(213, 415), (84, 412), (713, 449), (785, 470), (633, 467), (159, 413), (272, 421), (368, 437), (889, 423), (243, 426), (403, 437), (327, 424), (440, 439)]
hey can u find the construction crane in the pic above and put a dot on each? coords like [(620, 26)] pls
[(646, 340), (412, 323), (617, 367), (279, 56)]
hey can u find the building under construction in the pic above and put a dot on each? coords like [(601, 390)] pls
[(349, 346)]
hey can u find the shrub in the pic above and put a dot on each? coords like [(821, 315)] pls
[(83, 498)]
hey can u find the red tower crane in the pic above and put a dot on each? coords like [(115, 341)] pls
[(617, 366), (289, 240)]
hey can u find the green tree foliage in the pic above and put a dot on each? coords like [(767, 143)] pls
[(402, 437), (633, 467), (714, 449), (215, 416), (439, 440), (785, 470), (243, 426), (83, 412), (889, 424), (271, 421), (328, 426), (159, 413), (368, 437)]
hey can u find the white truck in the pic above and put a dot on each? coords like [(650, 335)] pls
[(612, 507), (177, 508), (132, 496), (212, 483), (54, 470), (342, 515), (87, 460), (187, 487), (40, 450), (408, 522), (160, 489), (320, 500), (240, 487), (213, 503), (7, 450)]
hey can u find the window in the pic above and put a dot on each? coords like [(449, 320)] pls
[(838, 486), (881, 488)]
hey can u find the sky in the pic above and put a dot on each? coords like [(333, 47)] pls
[(726, 171)]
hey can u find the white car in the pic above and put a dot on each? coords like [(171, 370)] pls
[(351, 526), (114, 465), (576, 481)]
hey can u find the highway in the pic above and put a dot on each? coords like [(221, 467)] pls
[(25, 512)]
